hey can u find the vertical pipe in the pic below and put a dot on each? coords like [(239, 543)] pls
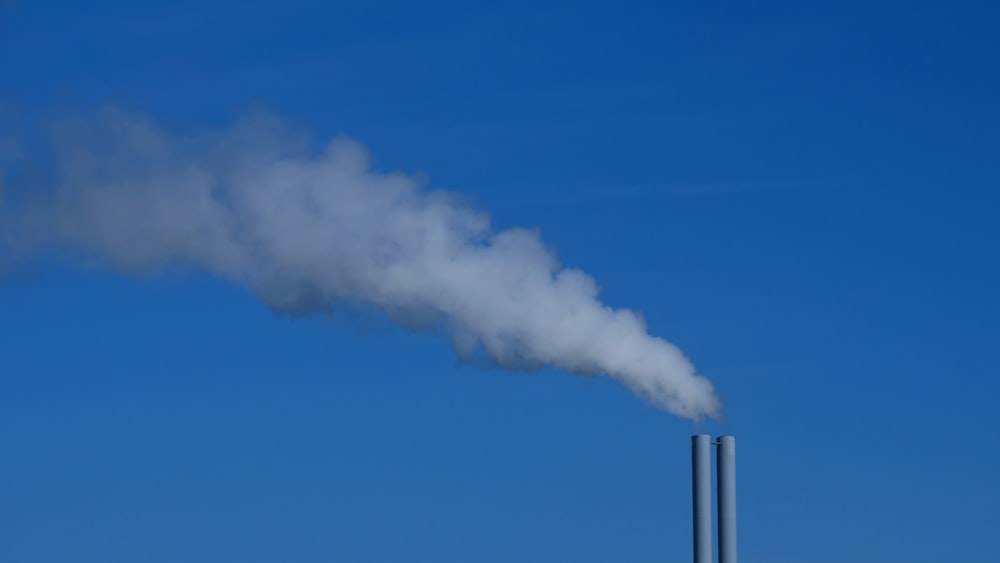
[(701, 487), (726, 482)]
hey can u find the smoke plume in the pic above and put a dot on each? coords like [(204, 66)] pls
[(305, 229)]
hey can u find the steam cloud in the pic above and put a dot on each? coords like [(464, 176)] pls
[(302, 231)]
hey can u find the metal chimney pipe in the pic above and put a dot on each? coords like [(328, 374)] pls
[(726, 482), (701, 487)]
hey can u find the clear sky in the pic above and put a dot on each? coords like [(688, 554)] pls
[(803, 197)]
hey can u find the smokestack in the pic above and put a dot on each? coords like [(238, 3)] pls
[(701, 490), (701, 486), (726, 482)]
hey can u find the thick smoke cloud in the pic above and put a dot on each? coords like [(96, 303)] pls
[(303, 230)]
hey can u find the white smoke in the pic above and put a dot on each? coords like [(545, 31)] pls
[(303, 231)]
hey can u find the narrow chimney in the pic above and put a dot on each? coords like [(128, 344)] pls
[(726, 493), (701, 486)]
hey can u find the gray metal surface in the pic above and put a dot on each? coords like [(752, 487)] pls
[(701, 487), (726, 481)]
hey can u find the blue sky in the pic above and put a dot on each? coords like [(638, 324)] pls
[(803, 198)]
